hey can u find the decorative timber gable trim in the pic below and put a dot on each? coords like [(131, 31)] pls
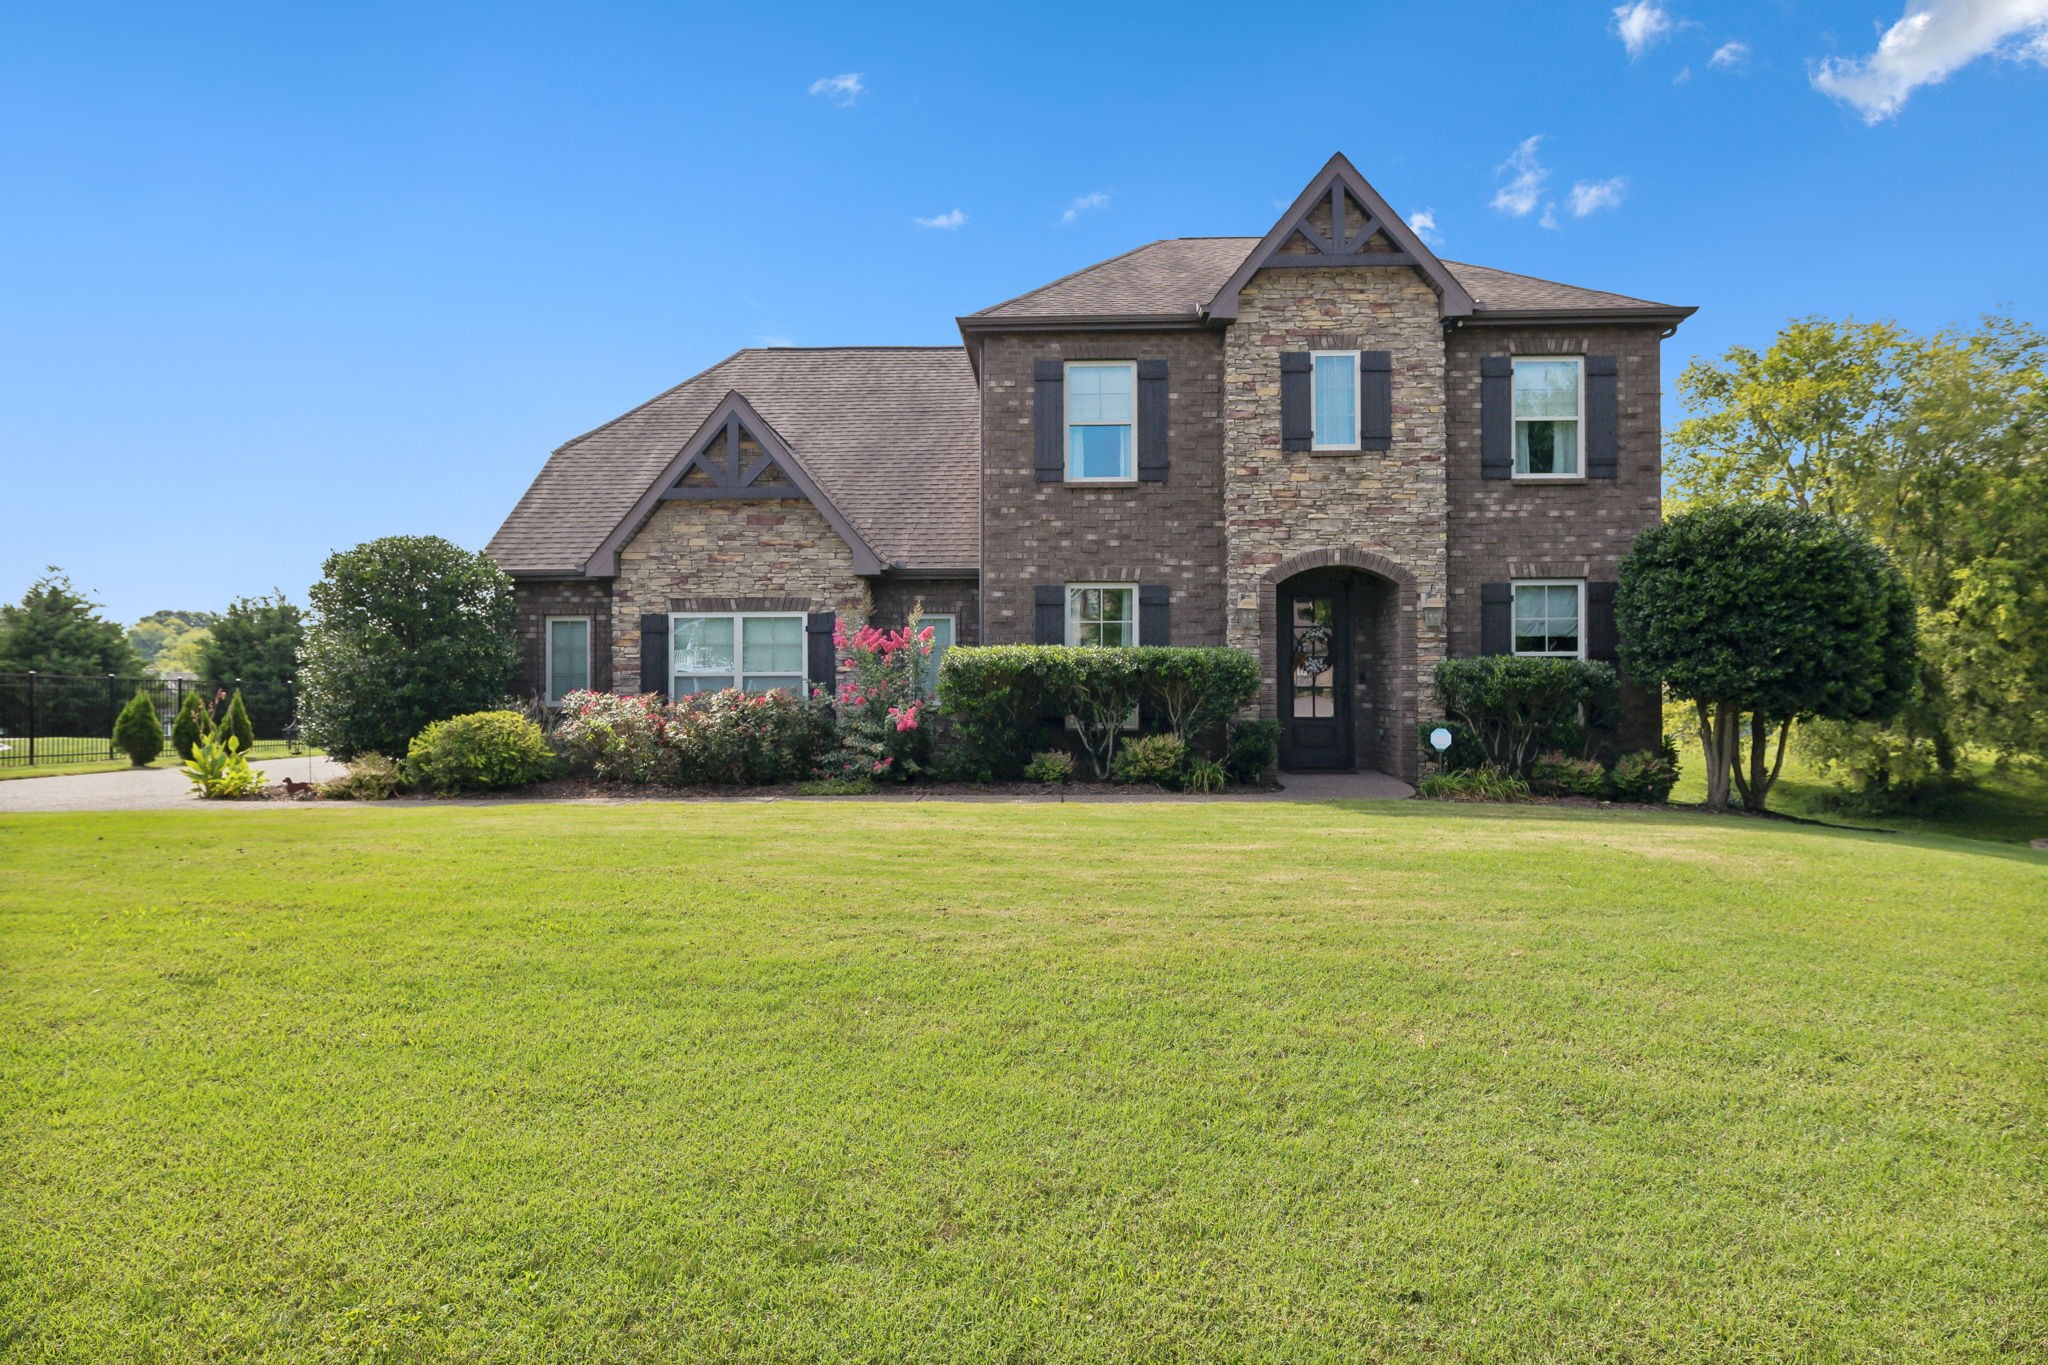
[(714, 465), (1300, 240)]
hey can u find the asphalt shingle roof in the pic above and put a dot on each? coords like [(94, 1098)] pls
[(891, 434), (1180, 275)]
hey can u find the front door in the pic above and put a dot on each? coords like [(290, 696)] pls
[(1315, 673)]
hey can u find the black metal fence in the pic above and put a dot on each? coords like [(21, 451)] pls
[(54, 718)]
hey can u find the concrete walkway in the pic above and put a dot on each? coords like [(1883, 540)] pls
[(143, 788), (168, 789)]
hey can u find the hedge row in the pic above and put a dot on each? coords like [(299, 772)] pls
[(1003, 698)]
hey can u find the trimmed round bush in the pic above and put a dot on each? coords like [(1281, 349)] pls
[(1052, 767), (482, 751), (137, 732), (1152, 758)]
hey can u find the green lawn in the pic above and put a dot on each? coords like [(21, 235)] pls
[(952, 1082), (264, 748)]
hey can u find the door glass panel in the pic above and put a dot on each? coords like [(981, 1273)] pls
[(1313, 659)]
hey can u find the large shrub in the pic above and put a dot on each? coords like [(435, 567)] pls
[(746, 738), (482, 751), (137, 731), (406, 631), (880, 703), (1770, 613), (615, 738), (1514, 708), (1002, 697)]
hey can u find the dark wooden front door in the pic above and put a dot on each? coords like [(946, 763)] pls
[(1315, 673)]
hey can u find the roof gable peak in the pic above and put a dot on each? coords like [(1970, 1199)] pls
[(1339, 219)]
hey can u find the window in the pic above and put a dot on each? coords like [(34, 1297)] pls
[(1102, 614), (1102, 408), (1547, 617), (942, 640), (568, 661), (761, 653), (1548, 415), (1334, 384)]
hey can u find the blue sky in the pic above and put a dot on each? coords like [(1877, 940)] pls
[(282, 278)]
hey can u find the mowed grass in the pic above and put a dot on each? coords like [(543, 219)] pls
[(953, 1082)]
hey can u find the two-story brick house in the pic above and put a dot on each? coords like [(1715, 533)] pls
[(1324, 445)]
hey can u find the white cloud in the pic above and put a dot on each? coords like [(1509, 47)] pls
[(772, 340), (1684, 75), (1642, 24), (1590, 196), (1520, 195), (1549, 218), (1087, 203), (842, 89), (1934, 39), (1424, 223), (944, 222), (1730, 56)]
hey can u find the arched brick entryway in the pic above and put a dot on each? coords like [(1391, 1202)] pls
[(1381, 698)]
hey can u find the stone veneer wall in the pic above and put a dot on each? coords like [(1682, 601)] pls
[(538, 599), (1170, 533), (775, 554), (1286, 511), (1501, 530)]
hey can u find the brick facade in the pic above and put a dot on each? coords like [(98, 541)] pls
[(537, 600), (1170, 533), (1504, 529), (1381, 514)]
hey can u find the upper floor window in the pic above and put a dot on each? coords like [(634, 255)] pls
[(1549, 619), (756, 652), (1334, 382), (1102, 614), (568, 661), (1102, 408), (1549, 411)]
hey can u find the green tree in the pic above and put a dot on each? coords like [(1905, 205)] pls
[(1770, 614), (235, 720), (1938, 447), (405, 631), (163, 635), (255, 646), (137, 731), (57, 629)]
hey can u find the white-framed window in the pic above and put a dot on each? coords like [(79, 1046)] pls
[(1550, 618), (1333, 388), (1102, 421), (756, 651), (1550, 414), (567, 640), (943, 626), (1102, 614)]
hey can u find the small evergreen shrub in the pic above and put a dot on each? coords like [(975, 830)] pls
[(235, 720), (1559, 774), (193, 723), (1205, 775), (1052, 767), (1254, 749), (1479, 784), (482, 751), (137, 731), (369, 777), (1151, 758), (1644, 776), (220, 770)]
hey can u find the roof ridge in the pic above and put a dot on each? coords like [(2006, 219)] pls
[(1094, 265)]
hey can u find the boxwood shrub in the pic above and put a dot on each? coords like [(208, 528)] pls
[(482, 751)]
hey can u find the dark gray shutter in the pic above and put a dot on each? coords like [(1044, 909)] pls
[(654, 652), (1048, 421), (1297, 421), (1496, 618), (821, 656), (1049, 614), (1152, 421), (1155, 614), (1602, 641), (1603, 454), (1376, 400), (1496, 417)]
